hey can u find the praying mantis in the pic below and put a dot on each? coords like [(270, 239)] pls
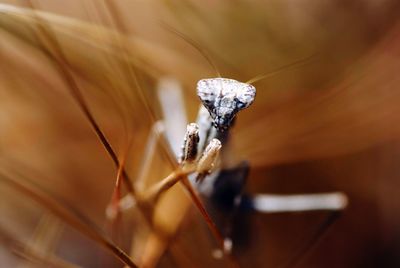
[(222, 99)]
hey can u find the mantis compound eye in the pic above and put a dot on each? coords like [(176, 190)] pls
[(224, 98), (240, 105), (206, 93)]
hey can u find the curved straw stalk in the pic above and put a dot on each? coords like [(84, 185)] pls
[(358, 112), (78, 222), (87, 46)]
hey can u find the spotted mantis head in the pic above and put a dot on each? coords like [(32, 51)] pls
[(224, 98)]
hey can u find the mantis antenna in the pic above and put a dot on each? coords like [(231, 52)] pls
[(294, 64), (195, 45)]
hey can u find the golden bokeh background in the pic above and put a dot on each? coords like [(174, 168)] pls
[(330, 124)]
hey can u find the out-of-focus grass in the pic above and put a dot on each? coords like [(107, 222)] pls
[(331, 124)]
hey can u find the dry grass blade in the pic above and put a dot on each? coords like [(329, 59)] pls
[(51, 45), (79, 223), (204, 213), (364, 103), (24, 251), (113, 211), (46, 236), (126, 66), (85, 45), (312, 241)]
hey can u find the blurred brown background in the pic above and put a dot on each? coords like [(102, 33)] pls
[(331, 124)]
